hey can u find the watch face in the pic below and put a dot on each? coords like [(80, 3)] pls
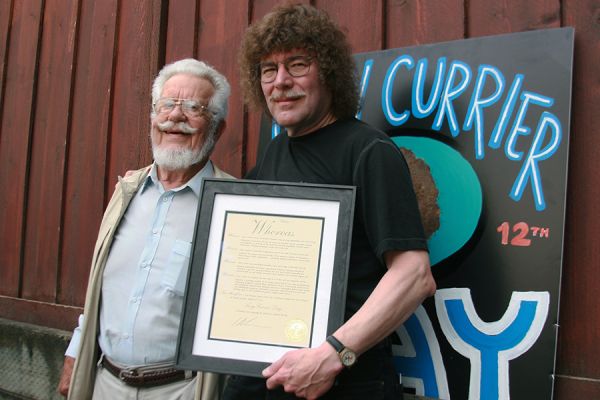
[(348, 358)]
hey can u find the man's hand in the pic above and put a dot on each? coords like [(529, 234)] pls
[(65, 377), (308, 373)]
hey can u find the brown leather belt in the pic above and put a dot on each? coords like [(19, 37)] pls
[(144, 376)]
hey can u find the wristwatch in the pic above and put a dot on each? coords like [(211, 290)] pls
[(347, 356)]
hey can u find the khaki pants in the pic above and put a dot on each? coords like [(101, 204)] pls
[(108, 387)]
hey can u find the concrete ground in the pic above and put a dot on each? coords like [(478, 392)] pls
[(31, 359)]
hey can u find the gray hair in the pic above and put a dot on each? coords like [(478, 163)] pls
[(218, 102)]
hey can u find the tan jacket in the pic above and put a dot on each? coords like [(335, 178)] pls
[(84, 371)]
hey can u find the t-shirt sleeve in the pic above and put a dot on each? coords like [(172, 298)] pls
[(386, 200)]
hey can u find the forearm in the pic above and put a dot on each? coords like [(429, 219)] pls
[(65, 377), (402, 289), (311, 372)]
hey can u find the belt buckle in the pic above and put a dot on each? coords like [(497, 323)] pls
[(125, 374)]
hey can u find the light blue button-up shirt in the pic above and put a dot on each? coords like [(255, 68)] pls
[(145, 274)]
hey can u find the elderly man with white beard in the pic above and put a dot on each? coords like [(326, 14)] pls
[(124, 346)]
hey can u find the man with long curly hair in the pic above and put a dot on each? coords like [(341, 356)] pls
[(296, 66)]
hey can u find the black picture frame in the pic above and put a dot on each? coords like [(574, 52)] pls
[(326, 206)]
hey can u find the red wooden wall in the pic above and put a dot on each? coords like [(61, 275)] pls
[(75, 80)]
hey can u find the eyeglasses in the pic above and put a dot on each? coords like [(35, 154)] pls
[(296, 66), (190, 108)]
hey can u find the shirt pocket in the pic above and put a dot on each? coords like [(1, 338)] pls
[(175, 275)]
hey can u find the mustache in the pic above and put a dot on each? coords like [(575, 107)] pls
[(288, 94), (182, 127)]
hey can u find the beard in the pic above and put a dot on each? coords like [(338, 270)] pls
[(181, 158)]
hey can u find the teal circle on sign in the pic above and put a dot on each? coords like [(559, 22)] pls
[(460, 196)]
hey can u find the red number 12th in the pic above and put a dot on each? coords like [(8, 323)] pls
[(520, 239)]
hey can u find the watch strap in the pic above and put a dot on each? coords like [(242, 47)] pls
[(347, 356), (337, 345)]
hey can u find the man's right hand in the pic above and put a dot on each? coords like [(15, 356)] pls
[(65, 377)]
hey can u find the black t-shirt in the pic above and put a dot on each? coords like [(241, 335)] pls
[(386, 216)]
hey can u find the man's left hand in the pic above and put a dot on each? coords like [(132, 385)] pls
[(308, 373)]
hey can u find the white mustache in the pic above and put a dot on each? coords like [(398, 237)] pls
[(182, 127), (289, 95)]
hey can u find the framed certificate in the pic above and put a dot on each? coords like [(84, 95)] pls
[(268, 273)]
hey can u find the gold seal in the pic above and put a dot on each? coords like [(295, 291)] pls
[(296, 330)]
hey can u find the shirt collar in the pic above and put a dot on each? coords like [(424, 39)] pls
[(195, 184)]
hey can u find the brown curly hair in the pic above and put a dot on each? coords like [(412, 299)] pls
[(301, 26)]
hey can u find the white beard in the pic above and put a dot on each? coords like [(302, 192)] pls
[(174, 159)]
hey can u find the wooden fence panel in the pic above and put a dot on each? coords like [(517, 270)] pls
[(47, 163), (182, 30), (5, 18), (412, 23), (578, 351), (137, 60), (576, 387), (87, 148), (221, 27), (15, 140), (489, 17), (362, 21), (39, 313)]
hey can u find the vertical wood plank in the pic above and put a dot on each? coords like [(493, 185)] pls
[(47, 164), (182, 30), (221, 27), (5, 17), (260, 8), (136, 66), (15, 138), (87, 146), (251, 147), (489, 17), (415, 22), (361, 21), (578, 351)]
